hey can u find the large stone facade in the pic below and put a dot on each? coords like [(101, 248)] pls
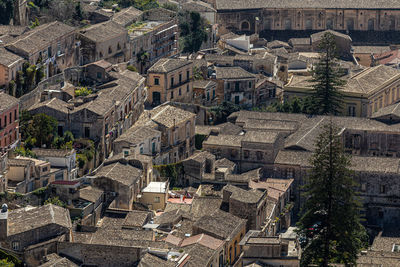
[(315, 15)]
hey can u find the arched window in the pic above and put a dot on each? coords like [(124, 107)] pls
[(245, 26), (350, 24), (118, 46), (288, 24), (309, 24), (329, 24), (371, 25), (109, 50)]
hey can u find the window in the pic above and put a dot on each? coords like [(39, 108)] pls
[(87, 132), (237, 100), (172, 94), (246, 154), (259, 155), (187, 88), (228, 85), (15, 245), (118, 46), (156, 199), (100, 55), (126, 153), (45, 182), (99, 76), (208, 96), (237, 87), (109, 50), (156, 81), (180, 77), (187, 74), (396, 248), (5, 120), (172, 81), (180, 91), (213, 95), (289, 173), (0, 124), (153, 147), (250, 84), (44, 169), (363, 187), (141, 149), (234, 153), (15, 114), (10, 117), (351, 111), (188, 129), (382, 189)]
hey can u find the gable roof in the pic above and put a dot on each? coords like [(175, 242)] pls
[(124, 174), (53, 103), (318, 36), (7, 101), (8, 58), (38, 38), (233, 73), (49, 152), (165, 65), (166, 115), (103, 31), (126, 16), (391, 111), (29, 218), (137, 134)]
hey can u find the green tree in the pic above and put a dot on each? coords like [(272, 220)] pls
[(223, 110), (6, 11), (55, 201), (142, 59), (193, 31), (170, 6), (6, 263), (329, 226), (78, 15), (327, 98), (43, 129)]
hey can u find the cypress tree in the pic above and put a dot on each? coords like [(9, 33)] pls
[(327, 98), (329, 226)]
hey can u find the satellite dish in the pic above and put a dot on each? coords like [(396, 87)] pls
[(4, 208)]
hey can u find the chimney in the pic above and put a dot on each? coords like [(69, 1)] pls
[(4, 222)]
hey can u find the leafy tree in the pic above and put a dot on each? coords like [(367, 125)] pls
[(132, 68), (139, 4), (142, 59), (6, 263), (193, 31), (330, 221), (83, 91), (55, 201), (11, 88), (327, 98), (170, 6), (43, 129), (78, 11), (6, 11), (223, 110)]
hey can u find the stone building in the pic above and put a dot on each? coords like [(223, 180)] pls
[(9, 114), (122, 179), (257, 15), (32, 232), (198, 166), (51, 45), (10, 63), (246, 204), (170, 80), (365, 92), (102, 116), (107, 40), (59, 158), (158, 38), (177, 128), (235, 85)]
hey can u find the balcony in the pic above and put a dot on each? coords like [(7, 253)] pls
[(179, 84)]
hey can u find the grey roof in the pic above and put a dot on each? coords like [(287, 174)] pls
[(224, 140), (204, 84), (7, 101), (138, 134), (264, 137), (233, 73), (389, 111), (358, 163), (124, 174), (201, 156), (8, 58), (12, 30), (367, 81), (149, 260), (30, 218), (290, 4), (277, 44), (299, 41), (318, 36), (38, 38), (198, 6), (126, 16), (49, 152), (90, 193), (253, 196), (166, 115), (220, 224), (165, 65), (224, 162), (53, 260), (103, 31), (202, 206), (53, 103), (370, 49), (170, 217), (136, 218)]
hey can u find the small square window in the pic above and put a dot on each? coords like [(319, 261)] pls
[(156, 81), (15, 245), (156, 199)]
